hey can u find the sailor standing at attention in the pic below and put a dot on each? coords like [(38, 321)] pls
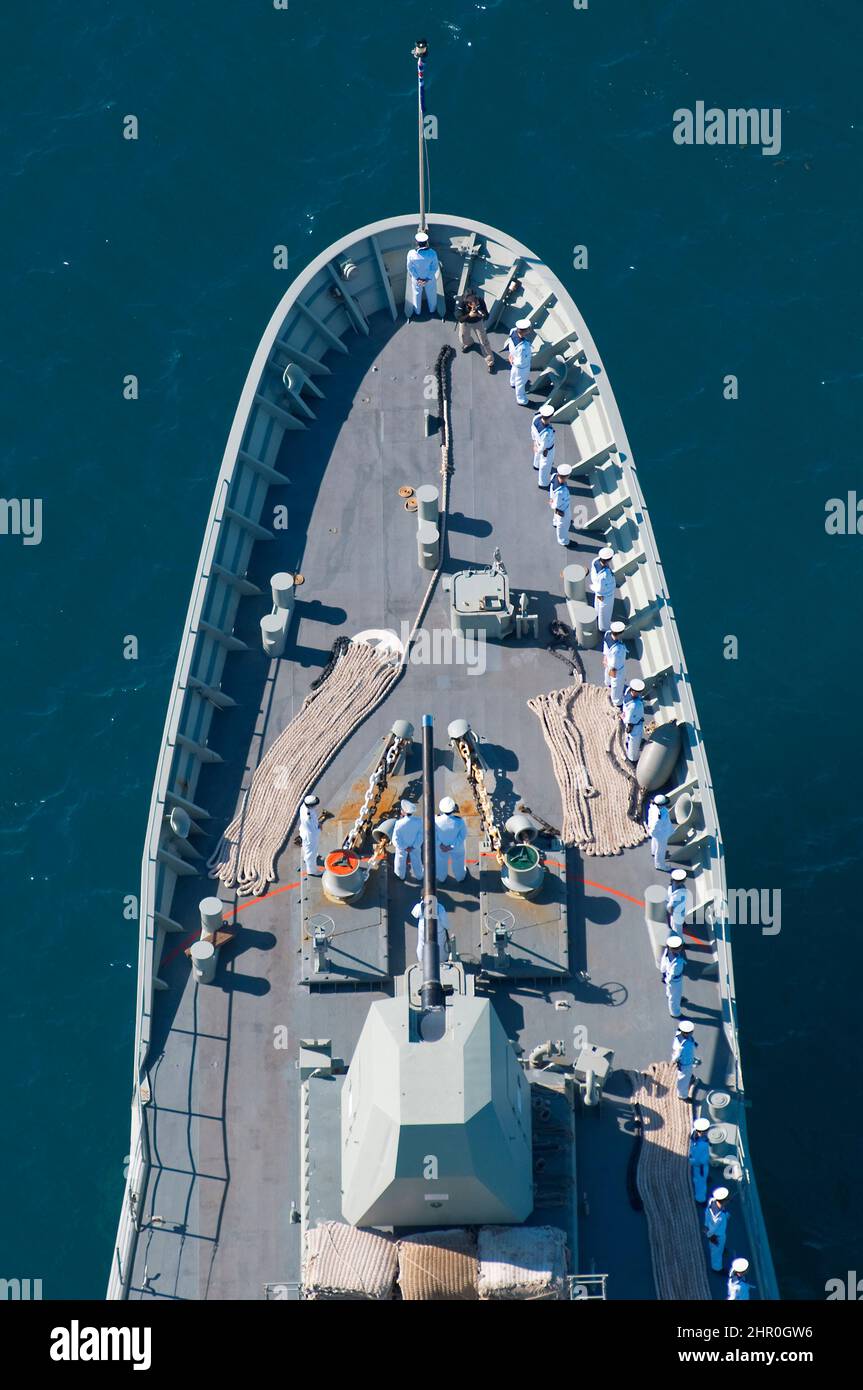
[(559, 501), (442, 929), (659, 829), (672, 965), (310, 833), (699, 1159), (737, 1285), (632, 717), (716, 1226), (676, 900), (614, 660), (520, 353), (407, 840), (683, 1051), (423, 269), (602, 586), (542, 435), (450, 837)]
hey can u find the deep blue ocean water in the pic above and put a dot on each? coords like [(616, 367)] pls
[(155, 257)]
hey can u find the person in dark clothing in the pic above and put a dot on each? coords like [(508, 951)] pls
[(471, 313)]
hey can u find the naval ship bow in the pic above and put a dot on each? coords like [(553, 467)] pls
[(381, 613)]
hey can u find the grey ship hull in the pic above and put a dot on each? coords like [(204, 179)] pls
[(216, 1170)]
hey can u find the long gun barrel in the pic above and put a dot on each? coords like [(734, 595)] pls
[(431, 992)]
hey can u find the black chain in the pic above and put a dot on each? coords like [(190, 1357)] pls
[(561, 636)]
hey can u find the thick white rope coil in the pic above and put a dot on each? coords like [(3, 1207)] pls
[(665, 1186), (246, 856), (598, 794)]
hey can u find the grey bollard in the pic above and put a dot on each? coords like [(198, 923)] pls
[(428, 545), (656, 919), (273, 634), (428, 502), (284, 591), (212, 912), (203, 955), (575, 582), (584, 621), (718, 1103)]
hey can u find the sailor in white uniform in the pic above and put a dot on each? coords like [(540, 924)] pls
[(310, 833), (422, 269), (560, 502), (520, 353), (407, 840), (632, 715), (683, 1051), (716, 1226), (737, 1285), (659, 829), (450, 837), (677, 900), (542, 437), (614, 661), (672, 965), (442, 930), (699, 1159), (602, 586)]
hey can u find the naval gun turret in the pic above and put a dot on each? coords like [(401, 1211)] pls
[(436, 1114)]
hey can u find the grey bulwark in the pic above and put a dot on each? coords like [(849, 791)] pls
[(210, 1208)]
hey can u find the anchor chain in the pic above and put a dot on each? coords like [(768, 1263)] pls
[(482, 800), (376, 788)]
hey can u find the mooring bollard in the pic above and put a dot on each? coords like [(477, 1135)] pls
[(428, 545)]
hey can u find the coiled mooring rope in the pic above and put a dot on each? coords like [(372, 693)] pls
[(596, 792), (665, 1186)]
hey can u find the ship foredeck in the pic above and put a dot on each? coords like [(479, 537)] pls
[(219, 1218)]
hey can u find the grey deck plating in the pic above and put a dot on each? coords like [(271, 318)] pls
[(223, 1115)]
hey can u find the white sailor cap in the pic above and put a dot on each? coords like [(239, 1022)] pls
[(417, 911), (563, 470), (408, 807), (311, 800), (606, 553), (661, 799), (546, 410), (739, 1266), (447, 805), (686, 1026), (678, 875), (617, 627), (637, 685), (523, 324), (701, 1126), (720, 1194), (421, 237), (673, 942)]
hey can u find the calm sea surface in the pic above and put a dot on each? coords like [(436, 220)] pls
[(155, 257)]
